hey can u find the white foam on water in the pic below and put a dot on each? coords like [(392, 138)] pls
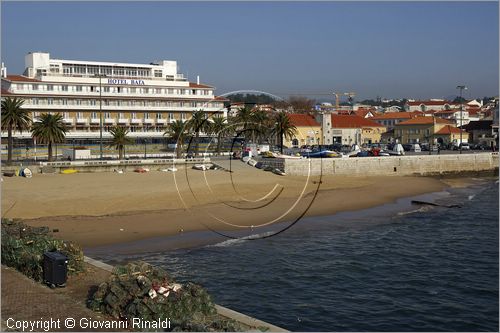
[(471, 196), (235, 241)]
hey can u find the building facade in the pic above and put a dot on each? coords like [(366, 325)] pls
[(350, 129), (428, 129), (308, 131), (144, 98)]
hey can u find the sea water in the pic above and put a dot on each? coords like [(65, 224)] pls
[(427, 269)]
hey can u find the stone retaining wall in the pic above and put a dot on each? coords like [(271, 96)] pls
[(393, 165)]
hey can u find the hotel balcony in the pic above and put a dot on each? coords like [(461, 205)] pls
[(136, 121), (94, 120), (123, 121), (149, 121), (82, 121), (161, 121), (68, 121), (109, 121)]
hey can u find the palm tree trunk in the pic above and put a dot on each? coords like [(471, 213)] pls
[(196, 145), (50, 152), (10, 142), (179, 150), (120, 153), (218, 143), (281, 142)]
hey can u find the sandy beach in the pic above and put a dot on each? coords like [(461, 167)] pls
[(106, 208)]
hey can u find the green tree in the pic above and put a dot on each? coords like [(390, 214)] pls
[(178, 131), (49, 129), (14, 118), (219, 127), (260, 125), (284, 128), (120, 139), (244, 120), (198, 123)]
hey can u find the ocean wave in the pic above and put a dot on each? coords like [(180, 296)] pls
[(234, 241)]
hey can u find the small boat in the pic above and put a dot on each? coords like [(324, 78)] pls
[(118, 171), (259, 165), (172, 169), (268, 168), (9, 173), (252, 162), (246, 159), (279, 172), (323, 154), (141, 170), (69, 171), (26, 173), (202, 167)]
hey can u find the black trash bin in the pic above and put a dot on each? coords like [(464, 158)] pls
[(55, 269)]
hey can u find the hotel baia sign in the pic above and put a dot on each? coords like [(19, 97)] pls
[(126, 82)]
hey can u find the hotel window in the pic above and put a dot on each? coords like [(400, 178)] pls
[(66, 115), (50, 87), (92, 88), (132, 90), (64, 101), (34, 86), (170, 116), (118, 89), (145, 90), (50, 101), (158, 73), (94, 115), (34, 101), (193, 92), (106, 102), (183, 116), (107, 115), (182, 91), (170, 91), (181, 104), (79, 88), (158, 116), (120, 115), (158, 90), (157, 103), (64, 88), (79, 115), (146, 115), (106, 89), (134, 115), (92, 102), (78, 102)]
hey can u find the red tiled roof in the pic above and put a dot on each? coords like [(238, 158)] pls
[(448, 129), (397, 115), (424, 120), (362, 112), (220, 98), (196, 85), (303, 120), (20, 78), (343, 121)]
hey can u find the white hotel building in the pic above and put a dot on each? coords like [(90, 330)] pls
[(143, 98)]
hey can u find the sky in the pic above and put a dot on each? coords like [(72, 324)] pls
[(388, 49)]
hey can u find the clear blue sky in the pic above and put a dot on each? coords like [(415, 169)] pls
[(387, 49)]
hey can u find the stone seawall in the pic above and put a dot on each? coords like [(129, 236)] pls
[(393, 165)]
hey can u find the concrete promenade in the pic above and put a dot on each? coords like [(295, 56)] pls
[(390, 165)]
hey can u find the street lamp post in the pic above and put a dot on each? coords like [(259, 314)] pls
[(100, 76), (462, 88)]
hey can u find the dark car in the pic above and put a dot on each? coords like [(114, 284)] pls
[(407, 146)]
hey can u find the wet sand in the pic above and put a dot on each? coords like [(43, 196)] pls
[(95, 209)]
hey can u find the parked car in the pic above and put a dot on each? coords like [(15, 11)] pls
[(462, 146), (415, 147)]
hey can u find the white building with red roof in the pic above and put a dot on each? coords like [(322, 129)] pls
[(144, 98)]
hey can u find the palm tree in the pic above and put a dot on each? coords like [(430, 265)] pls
[(198, 123), (284, 128), (220, 127), (178, 130), (244, 120), (260, 125), (14, 118), (49, 129), (120, 139)]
